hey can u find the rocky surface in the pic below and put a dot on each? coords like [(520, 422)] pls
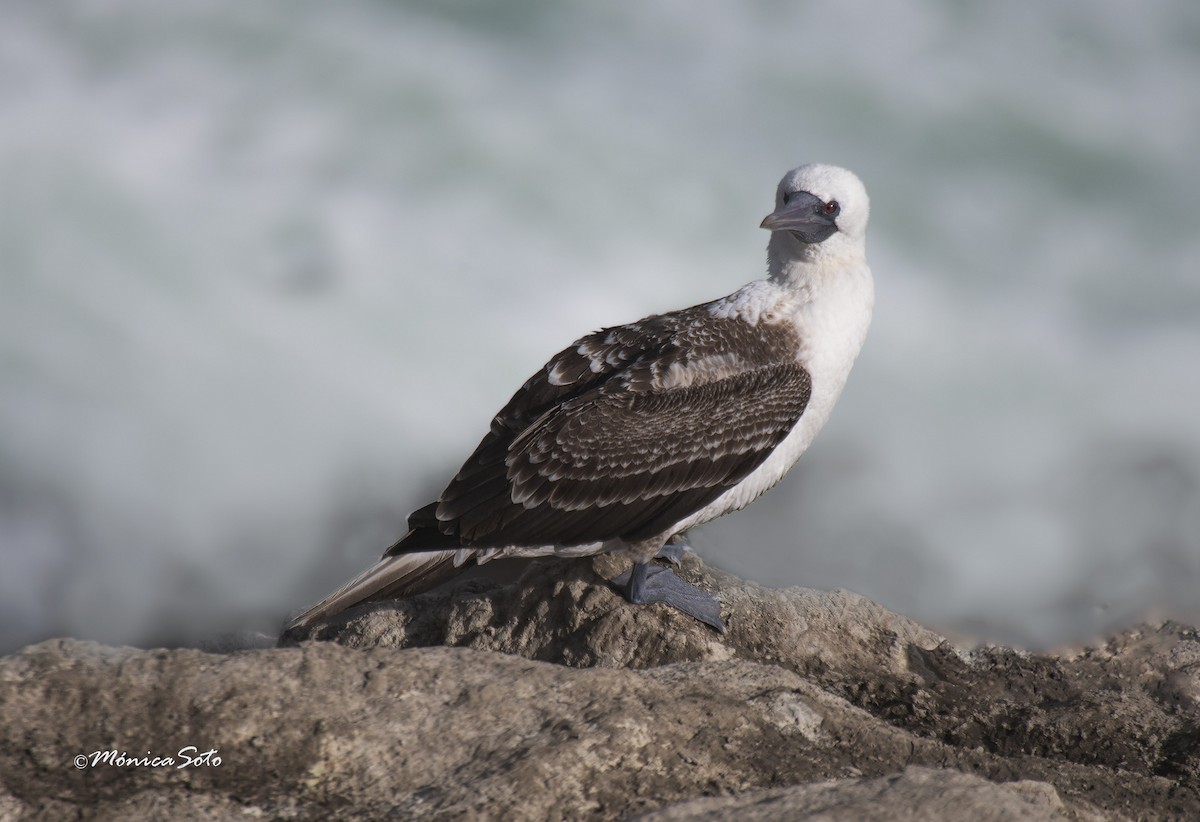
[(914, 795), (562, 701)]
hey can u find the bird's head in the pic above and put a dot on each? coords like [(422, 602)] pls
[(819, 211)]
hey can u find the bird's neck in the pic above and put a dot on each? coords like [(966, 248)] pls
[(800, 267)]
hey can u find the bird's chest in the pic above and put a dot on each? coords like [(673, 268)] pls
[(832, 331)]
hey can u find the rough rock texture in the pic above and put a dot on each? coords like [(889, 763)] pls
[(570, 703), (909, 796)]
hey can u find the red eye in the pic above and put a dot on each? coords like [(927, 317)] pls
[(832, 207)]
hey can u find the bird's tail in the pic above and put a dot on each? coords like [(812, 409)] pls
[(395, 575)]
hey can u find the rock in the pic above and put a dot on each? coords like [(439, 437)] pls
[(566, 612), (324, 730), (914, 795), (563, 701)]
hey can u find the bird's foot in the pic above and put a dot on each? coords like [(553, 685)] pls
[(646, 583), (674, 549)]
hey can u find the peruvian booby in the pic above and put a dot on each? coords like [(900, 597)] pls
[(635, 433)]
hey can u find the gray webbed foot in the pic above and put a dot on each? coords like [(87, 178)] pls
[(646, 583)]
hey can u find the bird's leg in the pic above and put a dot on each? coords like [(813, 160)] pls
[(673, 550), (646, 583)]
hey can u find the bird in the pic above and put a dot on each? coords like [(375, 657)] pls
[(635, 433)]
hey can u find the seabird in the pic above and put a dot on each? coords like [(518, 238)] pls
[(636, 433)]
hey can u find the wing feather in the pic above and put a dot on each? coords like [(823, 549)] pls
[(626, 432), (642, 457)]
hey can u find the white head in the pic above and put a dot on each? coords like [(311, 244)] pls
[(820, 214)]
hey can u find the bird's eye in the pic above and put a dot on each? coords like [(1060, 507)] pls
[(832, 208), (787, 195)]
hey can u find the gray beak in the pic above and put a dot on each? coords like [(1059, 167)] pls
[(803, 215)]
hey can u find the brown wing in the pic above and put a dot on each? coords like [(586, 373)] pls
[(607, 441)]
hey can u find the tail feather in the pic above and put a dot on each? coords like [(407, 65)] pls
[(393, 576)]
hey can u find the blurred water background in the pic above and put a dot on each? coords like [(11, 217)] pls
[(267, 269)]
